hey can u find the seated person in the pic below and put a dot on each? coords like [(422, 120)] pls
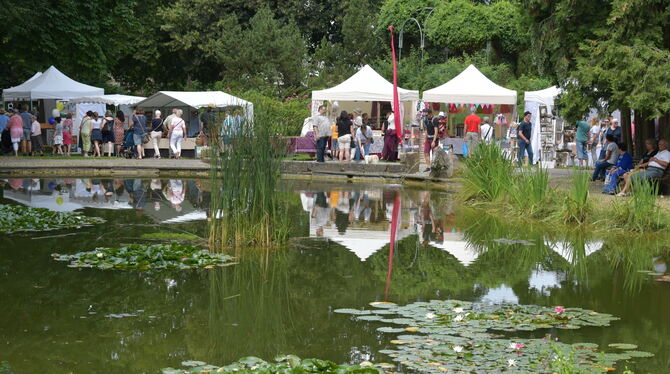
[(651, 147), (623, 165), (655, 168), (611, 157)]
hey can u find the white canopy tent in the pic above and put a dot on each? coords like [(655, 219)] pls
[(365, 86), (197, 100), (52, 84), (470, 87), (532, 102), (115, 100)]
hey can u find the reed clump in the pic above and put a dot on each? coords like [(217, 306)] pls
[(246, 208), (640, 212)]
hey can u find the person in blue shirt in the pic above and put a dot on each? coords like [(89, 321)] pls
[(523, 139), (624, 165), (5, 139)]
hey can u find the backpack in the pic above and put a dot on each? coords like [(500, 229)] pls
[(108, 125)]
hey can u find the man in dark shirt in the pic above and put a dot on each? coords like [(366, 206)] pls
[(206, 121), (27, 119), (429, 125), (523, 139)]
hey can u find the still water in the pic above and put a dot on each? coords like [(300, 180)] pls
[(60, 320)]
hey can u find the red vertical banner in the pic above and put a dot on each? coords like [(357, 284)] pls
[(396, 101), (394, 230)]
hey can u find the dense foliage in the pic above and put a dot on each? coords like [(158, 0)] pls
[(607, 53)]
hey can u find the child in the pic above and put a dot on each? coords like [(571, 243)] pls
[(67, 133), (58, 136), (36, 137)]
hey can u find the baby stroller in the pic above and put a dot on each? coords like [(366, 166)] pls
[(128, 149)]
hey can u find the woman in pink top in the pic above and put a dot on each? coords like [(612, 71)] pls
[(15, 130), (67, 133)]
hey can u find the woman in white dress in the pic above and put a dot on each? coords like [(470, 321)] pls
[(177, 131)]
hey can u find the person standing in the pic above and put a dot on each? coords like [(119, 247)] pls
[(344, 131), (614, 130), (85, 133), (139, 130), (16, 131), (472, 123), (594, 139), (430, 142), (67, 133), (581, 139), (119, 131), (523, 139), (157, 132), (108, 133), (321, 126), (5, 137), (363, 140), (206, 122), (36, 137), (58, 136), (27, 119), (391, 139), (96, 134), (177, 133), (486, 131)]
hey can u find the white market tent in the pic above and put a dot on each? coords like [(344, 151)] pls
[(470, 87), (52, 84), (366, 86), (197, 100), (532, 102), (22, 86), (115, 100)]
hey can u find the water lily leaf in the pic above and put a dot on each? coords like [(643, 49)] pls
[(172, 371), (369, 318), (352, 311), (639, 354), (623, 346), (412, 329), (585, 345), (390, 329), (383, 304)]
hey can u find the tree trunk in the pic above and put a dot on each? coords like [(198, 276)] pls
[(664, 126), (626, 130)]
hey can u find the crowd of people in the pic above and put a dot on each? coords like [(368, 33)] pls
[(613, 165), (350, 137)]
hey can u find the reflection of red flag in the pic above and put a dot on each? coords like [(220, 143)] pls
[(394, 230), (396, 101)]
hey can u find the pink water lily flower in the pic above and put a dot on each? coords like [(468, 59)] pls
[(559, 309)]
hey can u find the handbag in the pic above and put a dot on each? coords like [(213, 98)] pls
[(200, 140)]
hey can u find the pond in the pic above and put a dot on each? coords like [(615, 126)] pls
[(62, 320)]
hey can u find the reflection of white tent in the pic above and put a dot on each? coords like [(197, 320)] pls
[(52, 84), (566, 249), (363, 90), (363, 243), (470, 87), (197, 100), (542, 280), (462, 250), (532, 102), (56, 202), (502, 294), (115, 100)]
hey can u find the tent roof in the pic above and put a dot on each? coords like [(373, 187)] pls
[(470, 86), (217, 99), (108, 100), (365, 85), (545, 96), (21, 86), (52, 84)]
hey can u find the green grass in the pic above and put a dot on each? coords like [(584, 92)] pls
[(487, 175), (576, 206), (640, 212)]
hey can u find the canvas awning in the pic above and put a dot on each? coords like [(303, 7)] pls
[(470, 87), (52, 84), (365, 85), (544, 97), (193, 99), (108, 100)]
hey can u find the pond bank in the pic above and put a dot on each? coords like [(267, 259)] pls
[(147, 168)]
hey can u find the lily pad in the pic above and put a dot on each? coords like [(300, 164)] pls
[(623, 346), (369, 318), (383, 304), (18, 218), (639, 354), (145, 257), (352, 311), (192, 363)]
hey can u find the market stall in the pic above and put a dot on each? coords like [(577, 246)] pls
[(472, 88), (547, 132), (368, 91)]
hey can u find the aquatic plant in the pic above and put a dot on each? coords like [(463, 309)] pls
[(145, 257), (246, 209), (640, 212), (488, 173), (18, 218), (283, 364), (465, 336), (169, 236), (528, 191)]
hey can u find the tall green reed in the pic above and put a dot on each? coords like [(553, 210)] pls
[(488, 173), (576, 206), (528, 191), (246, 208), (640, 213)]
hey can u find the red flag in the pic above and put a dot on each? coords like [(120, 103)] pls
[(396, 101)]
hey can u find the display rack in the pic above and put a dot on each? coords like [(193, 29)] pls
[(551, 135)]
